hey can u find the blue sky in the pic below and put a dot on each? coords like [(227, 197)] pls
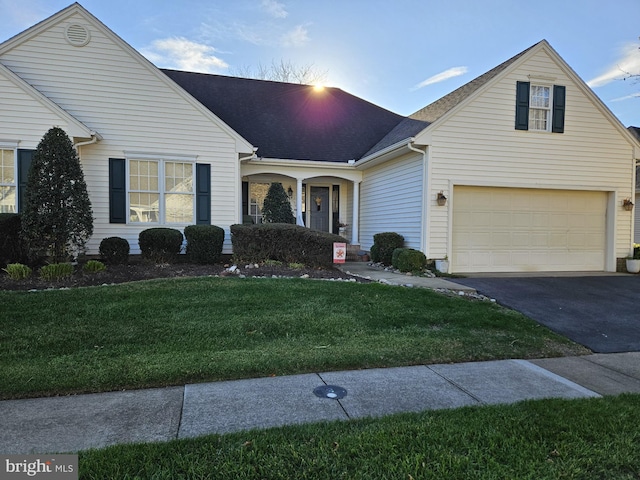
[(399, 54)]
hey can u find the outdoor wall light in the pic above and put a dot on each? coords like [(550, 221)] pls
[(442, 200), (627, 204), (290, 191)]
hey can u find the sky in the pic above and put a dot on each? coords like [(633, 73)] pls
[(399, 54)]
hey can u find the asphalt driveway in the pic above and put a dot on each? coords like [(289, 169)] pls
[(599, 312)]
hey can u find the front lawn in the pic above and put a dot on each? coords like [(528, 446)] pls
[(544, 439), (171, 332)]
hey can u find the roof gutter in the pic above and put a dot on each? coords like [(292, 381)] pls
[(95, 137), (249, 157), (406, 143)]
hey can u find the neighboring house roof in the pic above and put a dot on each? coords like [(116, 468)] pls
[(292, 121), (635, 131)]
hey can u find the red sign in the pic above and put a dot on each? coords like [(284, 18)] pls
[(339, 252)]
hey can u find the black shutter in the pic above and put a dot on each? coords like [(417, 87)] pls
[(203, 193), (559, 101), (245, 198), (522, 105), (117, 190), (24, 163)]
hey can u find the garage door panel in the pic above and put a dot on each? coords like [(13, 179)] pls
[(510, 229)]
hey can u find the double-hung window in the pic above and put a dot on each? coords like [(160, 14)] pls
[(161, 191), (539, 107), (8, 181)]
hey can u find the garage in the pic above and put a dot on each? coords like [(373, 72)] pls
[(528, 230)]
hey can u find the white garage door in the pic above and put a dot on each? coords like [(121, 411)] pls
[(521, 230)]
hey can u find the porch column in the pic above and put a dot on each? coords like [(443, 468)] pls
[(299, 202), (355, 234)]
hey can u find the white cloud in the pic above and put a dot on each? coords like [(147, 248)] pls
[(629, 62), (627, 97), (183, 54), (274, 8), (298, 37), (441, 77)]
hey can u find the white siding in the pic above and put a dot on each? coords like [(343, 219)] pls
[(22, 117), (107, 87), (479, 145), (391, 201)]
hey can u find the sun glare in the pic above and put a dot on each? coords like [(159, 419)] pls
[(318, 87)]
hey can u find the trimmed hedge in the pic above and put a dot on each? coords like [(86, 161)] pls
[(383, 246), (204, 243), (12, 247), (408, 260), (283, 242), (114, 250), (160, 245)]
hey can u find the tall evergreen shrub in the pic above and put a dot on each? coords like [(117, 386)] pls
[(57, 219), (277, 207)]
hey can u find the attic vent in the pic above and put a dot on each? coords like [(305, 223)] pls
[(77, 35)]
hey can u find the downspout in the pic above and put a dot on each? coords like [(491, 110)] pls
[(424, 224), (94, 139), (239, 173)]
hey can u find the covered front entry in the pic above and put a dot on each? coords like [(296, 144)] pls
[(521, 230)]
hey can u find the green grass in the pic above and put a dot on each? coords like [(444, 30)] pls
[(171, 332), (547, 439)]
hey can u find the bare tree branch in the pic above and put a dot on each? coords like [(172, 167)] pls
[(283, 71)]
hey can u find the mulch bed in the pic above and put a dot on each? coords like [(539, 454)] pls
[(138, 270)]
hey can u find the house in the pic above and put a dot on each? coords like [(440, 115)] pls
[(521, 169), (636, 132)]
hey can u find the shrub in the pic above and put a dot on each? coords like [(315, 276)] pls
[(204, 243), (409, 260), (284, 243), (12, 247), (17, 271), (114, 250), (93, 266), (56, 271), (57, 219), (160, 245), (383, 246), (636, 251), (276, 207)]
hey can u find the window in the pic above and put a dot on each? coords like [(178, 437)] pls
[(161, 191), (8, 181), (539, 108), (257, 194)]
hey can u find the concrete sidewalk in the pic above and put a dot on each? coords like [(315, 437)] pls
[(362, 269), (69, 424)]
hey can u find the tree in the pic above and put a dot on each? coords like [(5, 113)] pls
[(57, 219), (276, 207), (285, 71)]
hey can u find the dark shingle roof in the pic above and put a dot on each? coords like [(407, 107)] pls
[(435, 110), (291, 121), (406, 129), (635, 131)]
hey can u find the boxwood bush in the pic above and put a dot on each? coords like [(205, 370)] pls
[(283, 242), (383, 246), (408, 260), (160, 245), (12, 247), (204, 243), (114, 250)]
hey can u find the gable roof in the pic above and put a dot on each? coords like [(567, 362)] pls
[(242, 144), (437, 109), (292, 121)]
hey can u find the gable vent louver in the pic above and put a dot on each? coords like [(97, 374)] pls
[(77, 35)]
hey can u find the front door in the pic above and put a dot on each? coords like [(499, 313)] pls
[(319, 208)]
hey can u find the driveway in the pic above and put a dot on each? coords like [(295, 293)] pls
[(600, 312)]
